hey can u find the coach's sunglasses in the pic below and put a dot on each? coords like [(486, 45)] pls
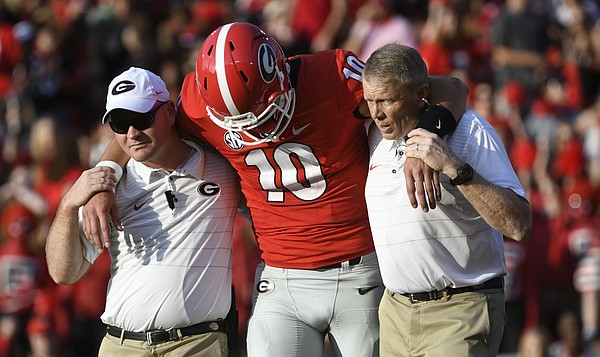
[(140, 121)]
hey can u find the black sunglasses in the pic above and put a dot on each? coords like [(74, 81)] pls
[(141, 121)]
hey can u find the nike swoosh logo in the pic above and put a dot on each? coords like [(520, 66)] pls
[(136, 207), (439, 126), (373, 167), (159, 92), (299, 130), (363, 291)]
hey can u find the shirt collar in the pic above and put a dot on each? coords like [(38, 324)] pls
[(392, 145)]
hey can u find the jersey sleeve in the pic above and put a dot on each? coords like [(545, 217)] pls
[(350, 69), (333, 77), (190, 107)]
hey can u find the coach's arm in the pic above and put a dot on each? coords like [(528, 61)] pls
[(64, 248)]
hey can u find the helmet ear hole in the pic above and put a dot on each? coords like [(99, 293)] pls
[(231, 46), (210, 50), (244, 76), (205, 84)]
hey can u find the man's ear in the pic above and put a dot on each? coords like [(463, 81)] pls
[(171, 112)]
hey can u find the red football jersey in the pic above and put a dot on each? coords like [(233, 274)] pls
[(305, 191)]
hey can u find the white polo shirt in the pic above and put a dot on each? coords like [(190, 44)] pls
[(172, 267), (450, 245)]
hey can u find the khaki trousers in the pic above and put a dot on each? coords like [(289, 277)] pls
[(467, 324), (212, 344)]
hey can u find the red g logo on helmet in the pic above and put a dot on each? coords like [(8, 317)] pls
[(242, 76)]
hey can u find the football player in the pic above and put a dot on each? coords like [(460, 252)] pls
[(294, 129)]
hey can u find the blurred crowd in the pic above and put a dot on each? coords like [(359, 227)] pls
[(533, 67)]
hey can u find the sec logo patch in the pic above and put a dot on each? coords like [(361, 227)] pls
[(233, 140)]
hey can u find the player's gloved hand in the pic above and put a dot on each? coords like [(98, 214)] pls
[(423, 180), (97, 213)]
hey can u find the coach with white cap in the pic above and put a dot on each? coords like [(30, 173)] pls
[(170, 286)]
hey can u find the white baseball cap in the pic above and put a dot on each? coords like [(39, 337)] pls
[(137, 90)]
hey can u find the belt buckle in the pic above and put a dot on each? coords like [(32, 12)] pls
[(152, 335), (431, 295)]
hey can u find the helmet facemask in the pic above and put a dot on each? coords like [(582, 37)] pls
[(268, 126)]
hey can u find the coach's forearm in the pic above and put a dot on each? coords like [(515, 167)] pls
[(64, 250), (501, 208)]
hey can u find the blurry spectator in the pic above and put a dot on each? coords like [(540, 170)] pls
[(275, 20), (10, 56), (316, 24), (377, 23), (437, 37), (21, 274), (587, 126), (534, 342), (207, 15), (474, 32), (569, 342), (46, 75), (575, 236), (174, 32), (568, 161), (582, 42), (57, 165), (519, 43), (547, 112)]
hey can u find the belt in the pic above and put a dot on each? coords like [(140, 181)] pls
[(157, 336), (351, 262), (494, 283)]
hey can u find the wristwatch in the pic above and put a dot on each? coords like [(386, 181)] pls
[(464, 174)]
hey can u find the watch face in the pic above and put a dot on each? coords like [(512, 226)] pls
[(464, 174)]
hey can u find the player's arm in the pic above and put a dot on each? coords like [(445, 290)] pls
[(64, 248), (448, 102), (450, 93), (102, 207)]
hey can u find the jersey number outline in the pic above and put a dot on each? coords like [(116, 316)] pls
[(285, 156)]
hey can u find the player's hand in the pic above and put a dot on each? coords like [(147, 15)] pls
[(96, 214), (423, 180), (92, 181)]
